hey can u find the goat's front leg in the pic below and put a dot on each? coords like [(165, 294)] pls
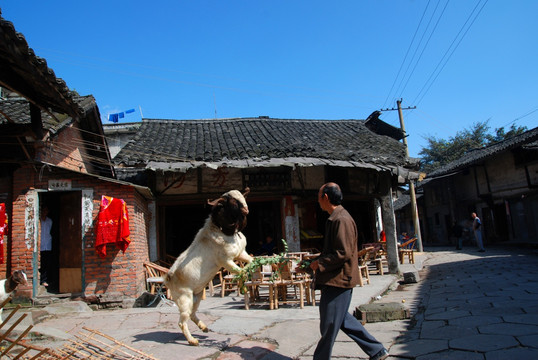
[(194, 317), (245, 257), (185, 304), (232, 267)]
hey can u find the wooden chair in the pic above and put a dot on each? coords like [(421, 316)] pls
[(364, 275), (255, 293), (407, 249), (374, 260), (154, 279), (227, 285), (286, 281)]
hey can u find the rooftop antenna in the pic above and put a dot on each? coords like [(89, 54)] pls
[(140, 108)]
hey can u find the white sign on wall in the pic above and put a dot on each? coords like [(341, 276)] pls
[(59, 184)]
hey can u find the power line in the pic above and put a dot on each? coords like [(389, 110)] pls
[(407, 52), (416, 49), (440, 61), (425, 46), (521, 117)]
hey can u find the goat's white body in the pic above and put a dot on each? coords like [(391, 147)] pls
[(195, 268)]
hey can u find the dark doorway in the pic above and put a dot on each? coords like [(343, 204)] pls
[(181, 224), (501, 222), (65, 275), (263, 219)]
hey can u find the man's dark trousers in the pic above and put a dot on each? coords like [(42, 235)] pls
[(334, 316)]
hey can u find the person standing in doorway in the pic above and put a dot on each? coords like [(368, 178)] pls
[(336, 274), (457, 231), (477, 229), (46, 246)]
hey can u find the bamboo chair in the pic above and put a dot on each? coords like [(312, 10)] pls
[(285, 281), (407, 249), (364, 275), (155, 280), (261, 278), (227, 285)]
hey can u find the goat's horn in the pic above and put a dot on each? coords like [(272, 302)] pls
[(247, 190), (214, 202)]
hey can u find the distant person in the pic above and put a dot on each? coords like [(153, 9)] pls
[(46, 247), (477, 229), (382, 236), (457, 232), (336, 274), (403, 237), (268, 247)]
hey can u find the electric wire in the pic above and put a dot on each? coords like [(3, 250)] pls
[(425, 46), (407, 53), (521, 117), (416, 49), (417, 99)]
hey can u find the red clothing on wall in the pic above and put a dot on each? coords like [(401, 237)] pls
[(113, 225), (3, 230)]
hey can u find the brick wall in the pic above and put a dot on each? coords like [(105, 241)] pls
[(118, 272), (66, 149)]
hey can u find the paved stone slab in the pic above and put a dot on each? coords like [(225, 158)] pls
[(248, 349), (514, 353), (432, 325), (509, 328), (468, 321), (417, 348), (528, 340), (452, 355), (483, 343), (448, 332), (447, 315)]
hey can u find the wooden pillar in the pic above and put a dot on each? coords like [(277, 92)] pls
[(389, 222)]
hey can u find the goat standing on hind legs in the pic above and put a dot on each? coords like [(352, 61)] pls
[(217, 244)]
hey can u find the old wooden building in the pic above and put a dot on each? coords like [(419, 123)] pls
[(282, 161), (498, 182)]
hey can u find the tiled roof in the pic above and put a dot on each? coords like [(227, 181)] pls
[(259, 139), (17, 111), (27, 74), (475, 156)]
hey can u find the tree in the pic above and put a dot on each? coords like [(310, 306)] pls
[(439, 151)]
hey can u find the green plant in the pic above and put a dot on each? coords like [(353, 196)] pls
[(247, 271)]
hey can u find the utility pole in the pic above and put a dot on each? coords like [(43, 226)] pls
[(412, 195)]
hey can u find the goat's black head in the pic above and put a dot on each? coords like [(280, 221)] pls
[(229, 212), (19, 277)]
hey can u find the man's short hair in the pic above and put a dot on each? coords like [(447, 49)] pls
[(333, 193)]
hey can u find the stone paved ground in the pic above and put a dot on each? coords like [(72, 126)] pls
[(468, 305), (472, 306)]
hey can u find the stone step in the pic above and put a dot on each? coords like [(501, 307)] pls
[(381, 312)]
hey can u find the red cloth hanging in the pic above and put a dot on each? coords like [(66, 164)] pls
[(3, 230), (113, 225)]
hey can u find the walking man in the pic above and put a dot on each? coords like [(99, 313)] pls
[(337, 273), (477, 228)]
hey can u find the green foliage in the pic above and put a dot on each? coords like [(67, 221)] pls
[(439, 151), (247, 271)]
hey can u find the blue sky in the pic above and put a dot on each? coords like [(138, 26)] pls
[(457, 61)]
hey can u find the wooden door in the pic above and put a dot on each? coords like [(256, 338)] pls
[(70, 253)]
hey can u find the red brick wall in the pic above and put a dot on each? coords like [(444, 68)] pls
[(66, 149), (5, 190), (118, 272)]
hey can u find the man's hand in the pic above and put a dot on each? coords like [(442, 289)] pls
[(314, 265)]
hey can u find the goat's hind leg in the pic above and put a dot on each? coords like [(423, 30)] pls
[(185, 305), (194, 317)]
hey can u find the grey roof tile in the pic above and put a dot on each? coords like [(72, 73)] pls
[(528, 138), (259, 138)]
